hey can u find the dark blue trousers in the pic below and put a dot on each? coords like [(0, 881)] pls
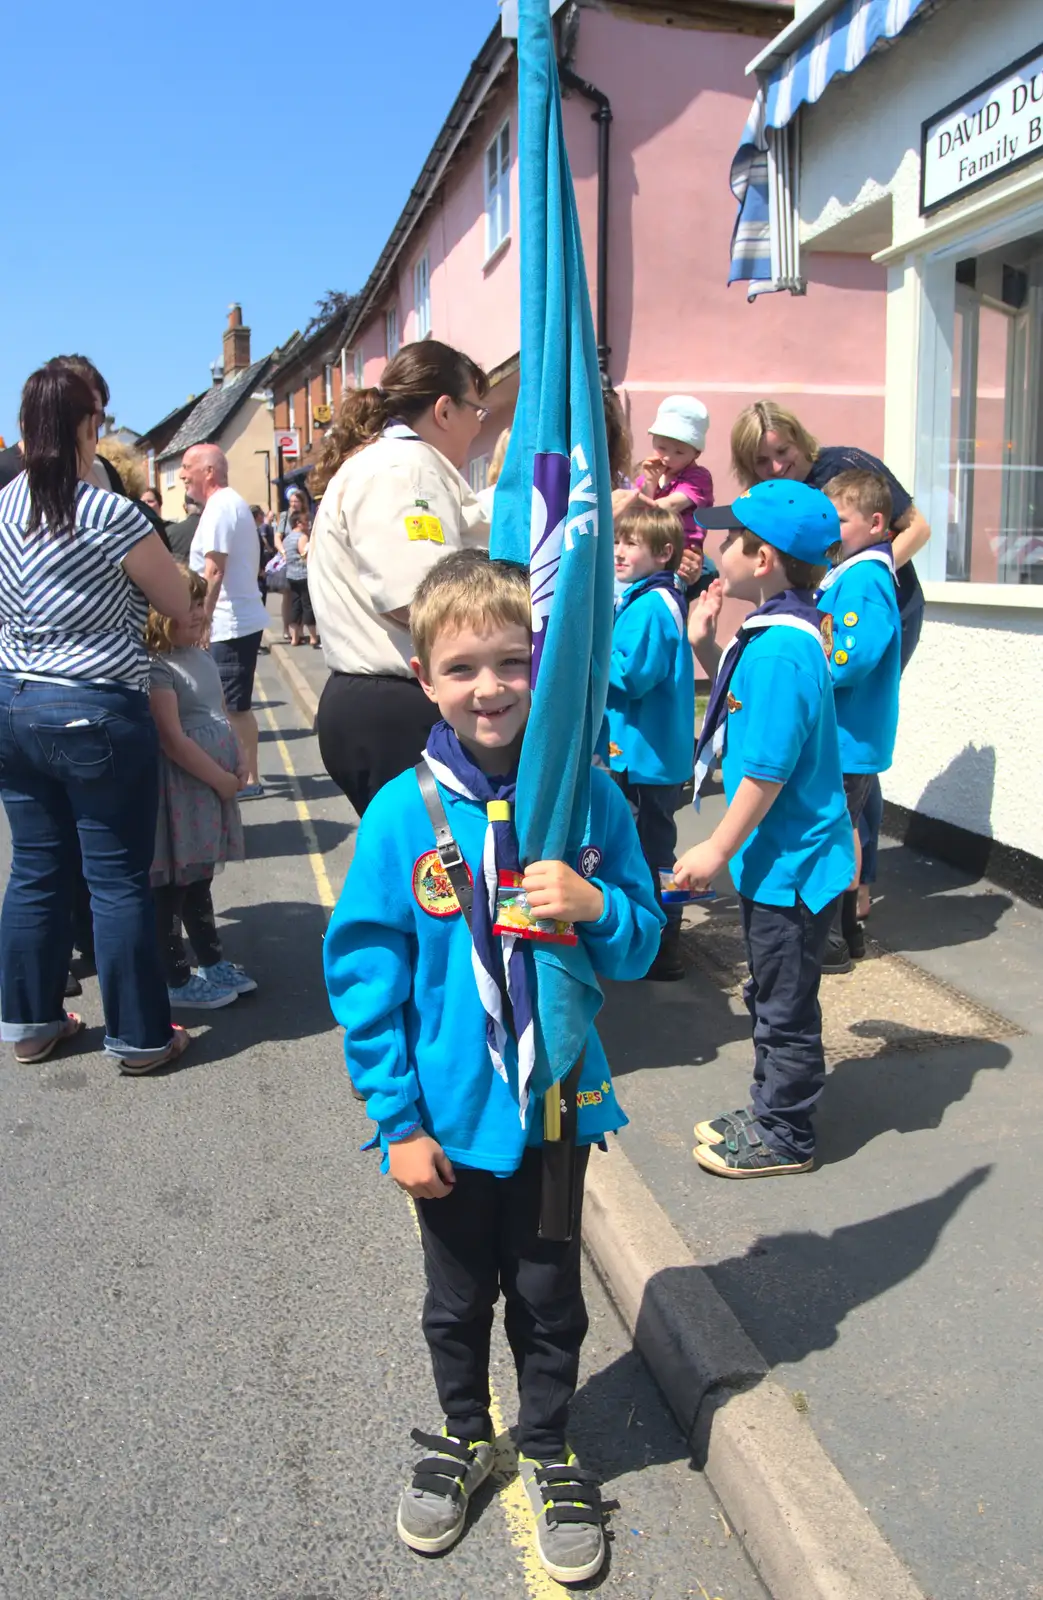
[(784, 946), (653, 807)]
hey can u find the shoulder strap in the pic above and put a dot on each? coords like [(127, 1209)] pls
[(453, 863)]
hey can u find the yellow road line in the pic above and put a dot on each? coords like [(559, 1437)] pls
[(512, 1497), (327, 897)]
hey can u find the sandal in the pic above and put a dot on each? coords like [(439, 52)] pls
[(180, 1039), (69, 1029)]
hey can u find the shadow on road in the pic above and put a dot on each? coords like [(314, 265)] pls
[(266, 839)]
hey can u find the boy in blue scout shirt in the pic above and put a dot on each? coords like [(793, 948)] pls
[(651, 697), (860, 596), (786, 831), (438, 1041)]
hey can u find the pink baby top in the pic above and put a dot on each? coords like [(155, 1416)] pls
[(697, 485)]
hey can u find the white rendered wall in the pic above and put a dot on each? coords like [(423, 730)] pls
[(970, 738)]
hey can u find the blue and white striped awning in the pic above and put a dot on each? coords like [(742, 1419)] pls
[(840, 45)]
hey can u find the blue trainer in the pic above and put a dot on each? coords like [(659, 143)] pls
[(199, 994), (229, 975)]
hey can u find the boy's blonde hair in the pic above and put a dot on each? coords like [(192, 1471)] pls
[(159, 628), (749, 428), (657, 528), (468, 590), (867, 492)]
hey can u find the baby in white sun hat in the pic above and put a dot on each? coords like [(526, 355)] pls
[(671, 475)]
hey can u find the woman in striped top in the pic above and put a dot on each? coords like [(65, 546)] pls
[(78, 747)]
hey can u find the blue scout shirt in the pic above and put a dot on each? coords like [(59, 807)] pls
[(401, 982), (651, 692), (782, 727), (866, 663)]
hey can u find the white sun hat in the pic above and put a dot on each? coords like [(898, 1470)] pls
[(681, 416)]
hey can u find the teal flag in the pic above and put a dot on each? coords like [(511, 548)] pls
[(553, 512)]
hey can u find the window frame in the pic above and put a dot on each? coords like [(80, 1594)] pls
[(498, 191), (392, 342), (422, 295), (358, 367)]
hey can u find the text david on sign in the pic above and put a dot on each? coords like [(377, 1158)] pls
[(994, 128)]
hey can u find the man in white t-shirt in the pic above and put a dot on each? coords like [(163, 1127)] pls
[(226, 550)]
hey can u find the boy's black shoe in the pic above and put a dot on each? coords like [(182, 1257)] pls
[(746, 1155), (718, 1129), (836, 957), (433, 1507), (856, 942), (668, 966)]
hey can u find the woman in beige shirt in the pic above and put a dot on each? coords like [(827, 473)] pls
[(395, 502)]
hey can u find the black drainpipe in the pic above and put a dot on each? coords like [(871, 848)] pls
[(602, 116)]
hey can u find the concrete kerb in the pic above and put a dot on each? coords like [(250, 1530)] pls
[(799, 1520)]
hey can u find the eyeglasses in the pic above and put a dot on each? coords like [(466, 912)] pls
[(481, 412)]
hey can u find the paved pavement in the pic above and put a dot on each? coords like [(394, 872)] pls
[(209, 1306), (895, 1291)]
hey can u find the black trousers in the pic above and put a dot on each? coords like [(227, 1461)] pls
[(483, 1239), (300, 603), (371, 729), (652, 806), (784, 946), (192, 905)]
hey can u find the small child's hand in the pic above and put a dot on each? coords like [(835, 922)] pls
[(653, 467), (690, 566), (554, 890), (698, 867), (421, 1167), (703, 614)]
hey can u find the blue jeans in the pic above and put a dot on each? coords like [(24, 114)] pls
[(79, 774)]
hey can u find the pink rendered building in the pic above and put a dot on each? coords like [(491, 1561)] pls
[(665, 87)]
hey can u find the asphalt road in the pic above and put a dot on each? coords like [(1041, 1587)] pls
[(209, 1307)]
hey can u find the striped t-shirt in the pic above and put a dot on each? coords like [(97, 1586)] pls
[(67, 608)]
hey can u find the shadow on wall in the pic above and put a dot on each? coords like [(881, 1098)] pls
[(963, 793)]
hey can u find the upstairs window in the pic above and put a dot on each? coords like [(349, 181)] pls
[(498, 190), (391, 332), (422, 296), (358, 363)]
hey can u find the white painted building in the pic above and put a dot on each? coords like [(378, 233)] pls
[(927, 154)]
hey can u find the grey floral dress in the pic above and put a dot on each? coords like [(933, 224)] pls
[(196, 831)]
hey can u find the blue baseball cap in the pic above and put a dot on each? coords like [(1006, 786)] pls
[(798, 520)]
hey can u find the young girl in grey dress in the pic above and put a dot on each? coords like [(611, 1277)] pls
[(199, 827)]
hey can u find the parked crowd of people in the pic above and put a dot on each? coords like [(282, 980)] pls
[(127, 742)]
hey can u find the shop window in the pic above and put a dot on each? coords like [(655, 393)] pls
[(995, 532), (498, 190)]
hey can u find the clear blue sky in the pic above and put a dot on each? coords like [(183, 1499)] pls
[(162, 161)]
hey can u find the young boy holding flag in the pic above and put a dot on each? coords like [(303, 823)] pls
[(436, 1004), (786, 831)]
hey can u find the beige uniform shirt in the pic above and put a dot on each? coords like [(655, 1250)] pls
[(392, 510)]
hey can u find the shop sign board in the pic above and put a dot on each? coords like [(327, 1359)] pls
[(288, 444), (985, 134)]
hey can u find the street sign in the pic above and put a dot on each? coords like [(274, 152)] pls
[(288, 444)]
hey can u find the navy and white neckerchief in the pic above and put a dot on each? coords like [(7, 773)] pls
[(395, 428), (498, 962), (668, 586), (883, 553), (794, 608)]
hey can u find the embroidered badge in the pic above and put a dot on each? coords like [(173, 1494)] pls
[(432, 890), (614, 750), (840, 656), (826, 630), (850, 619), (850, 641), (423, 527), (733, 704), (589, 860), (589, 1097)]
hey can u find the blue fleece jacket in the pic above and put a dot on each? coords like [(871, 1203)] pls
[(402, 985), (651, 692), (866, 662)]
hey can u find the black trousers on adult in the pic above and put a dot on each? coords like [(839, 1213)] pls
[(482, 1240), (784, 946), (192, 905), (371, 728)]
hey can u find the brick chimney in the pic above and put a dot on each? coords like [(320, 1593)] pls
[(236, 342)]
